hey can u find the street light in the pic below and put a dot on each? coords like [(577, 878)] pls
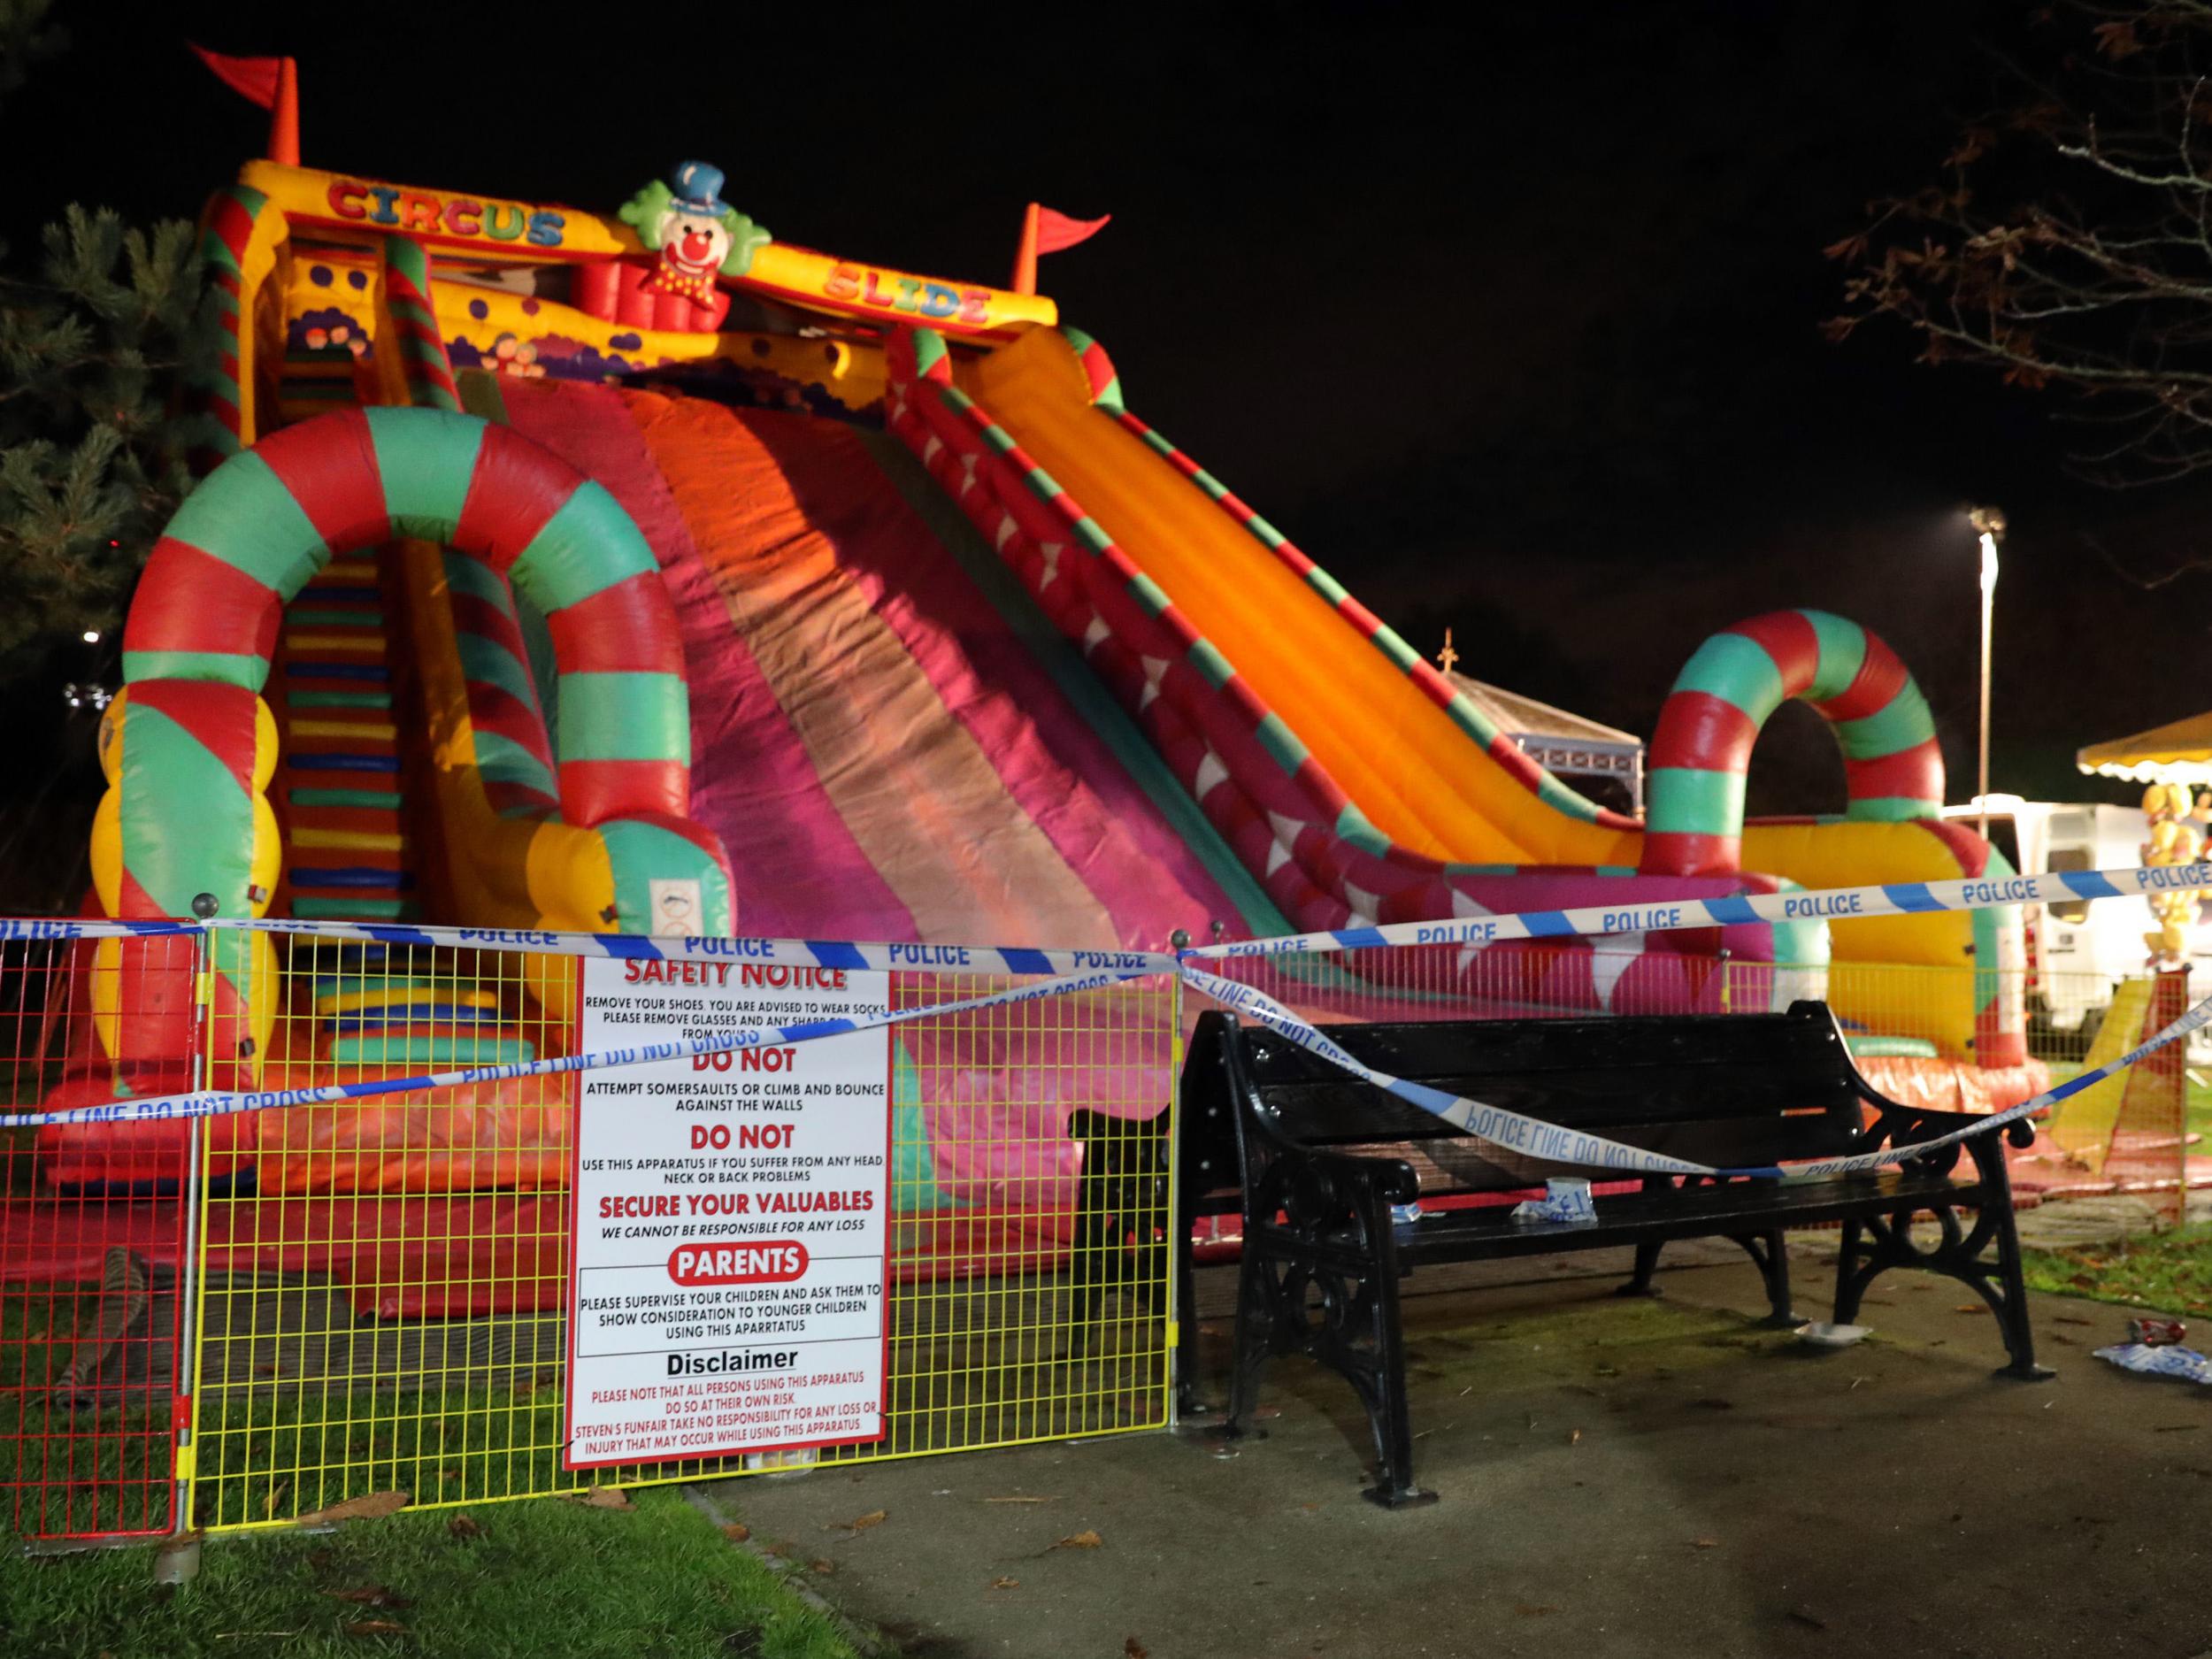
[(1989, 524)]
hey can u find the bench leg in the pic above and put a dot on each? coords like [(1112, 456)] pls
[(1381, 1384), (1770, 1252), (2009, 1300), (1257, 1320), (1880, 1243), (1647, 1262), (1187, 1400), (1850, 1284)]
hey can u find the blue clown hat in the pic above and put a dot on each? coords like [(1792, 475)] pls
[(698, 187)]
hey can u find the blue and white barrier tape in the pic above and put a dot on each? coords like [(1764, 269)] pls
[(1092, 970), (1534, 1138), (1894, 898), (804, 952), (220, 1104)]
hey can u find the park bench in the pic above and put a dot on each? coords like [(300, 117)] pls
[(1325, 1159)]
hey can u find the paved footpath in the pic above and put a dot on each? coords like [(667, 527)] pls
[(1619, 1478)]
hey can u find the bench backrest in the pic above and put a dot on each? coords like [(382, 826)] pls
[(1724, 1089)]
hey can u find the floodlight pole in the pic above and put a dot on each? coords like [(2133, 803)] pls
[(1989, 522), (1989, 596)]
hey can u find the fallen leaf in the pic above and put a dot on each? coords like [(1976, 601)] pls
[(1705, 1543), (463, 1526), (859, 1524), (2068, 1318), (1309, 1508), (276, 1496), (1969, 1307), (602, 1498), (1533, 1609), (374, 1507), (1006, 1584), (737, 1532), (369, 1595), (1135, 1650), (1085, 1539), (1574, 1437), (824, 1567), (375, 1627)]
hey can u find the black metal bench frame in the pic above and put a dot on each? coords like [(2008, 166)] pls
[(1323, 1254)]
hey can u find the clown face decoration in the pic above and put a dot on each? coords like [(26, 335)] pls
[(693, 235)]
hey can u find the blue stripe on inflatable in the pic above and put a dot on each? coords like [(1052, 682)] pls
[(344, 762), (337, 670), (349, 876)]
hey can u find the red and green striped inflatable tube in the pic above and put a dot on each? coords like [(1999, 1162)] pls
[(216, 390), (248, 538), (422, 365), (1702, 750)]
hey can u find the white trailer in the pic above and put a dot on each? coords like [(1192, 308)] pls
[(2080, 949)]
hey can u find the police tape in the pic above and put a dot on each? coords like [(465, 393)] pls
[(1534, 1138), (1893, 898), (224, 1103), (1077, 971), (804, 952)]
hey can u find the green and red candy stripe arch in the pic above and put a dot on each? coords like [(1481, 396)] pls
[(1701, 752), (248, 538)]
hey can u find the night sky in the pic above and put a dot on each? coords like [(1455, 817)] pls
[(1509, 320)]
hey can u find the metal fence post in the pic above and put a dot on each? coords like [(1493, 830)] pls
[(1176, 1239), (178, 1560)]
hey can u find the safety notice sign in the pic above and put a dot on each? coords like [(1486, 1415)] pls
[(730, 1219)]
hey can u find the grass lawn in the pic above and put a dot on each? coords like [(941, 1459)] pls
[(547, 1577), (2170, 1272)]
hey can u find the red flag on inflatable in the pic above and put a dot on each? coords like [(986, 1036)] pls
[(273, 83), (254, 78), (1044, 231), (1055, 231)]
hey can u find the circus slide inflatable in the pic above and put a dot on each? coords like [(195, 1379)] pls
[(644, 573)]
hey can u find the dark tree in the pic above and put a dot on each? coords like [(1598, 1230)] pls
[(2067, 242), (90, 466)]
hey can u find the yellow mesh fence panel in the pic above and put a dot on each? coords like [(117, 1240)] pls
[(382, 1299)]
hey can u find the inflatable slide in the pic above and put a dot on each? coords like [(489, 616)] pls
[(641, 573)]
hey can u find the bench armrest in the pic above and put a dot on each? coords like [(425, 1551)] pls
[(1900, 1126), (1392, 1178)]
